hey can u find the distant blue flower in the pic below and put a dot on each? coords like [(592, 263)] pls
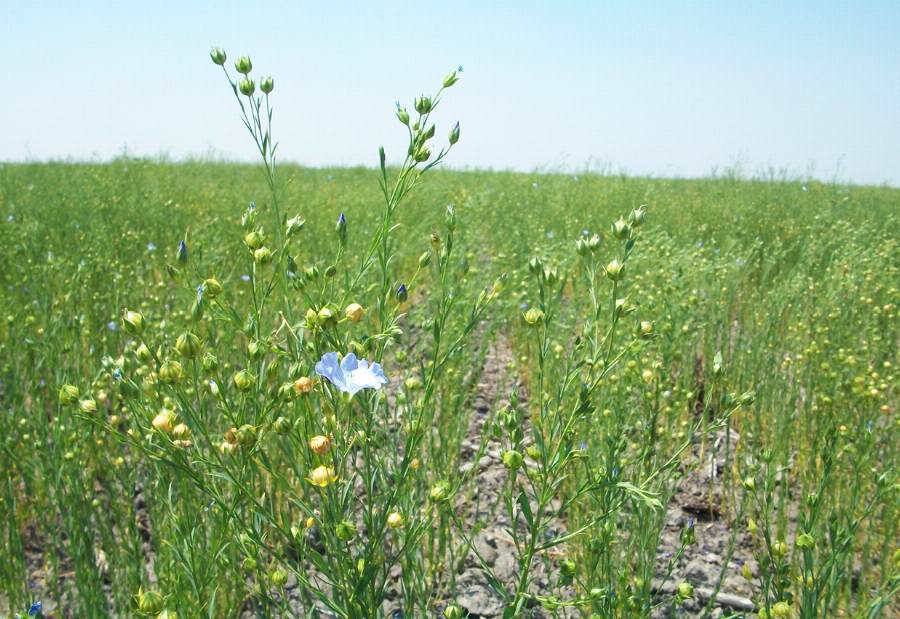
[(10, 218), (112, 325), (804, 188), (585, 232), (534, 185), (182, 255), (342, 220), (351, 374), (251, 206), (35, 609), (151, 247), (199, 293), (550, 234), (117, 374), (245, 277)]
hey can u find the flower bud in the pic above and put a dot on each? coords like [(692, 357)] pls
[(402, 115), (197, 308), (615, 270), (171, 372), (254, 239), (581, 247), (246, 435), (688, 535), (182, 253), (322, 476), (320, 445), (263, 255), (636, 218), (453, 612), (534, 316), (512, 459), (267, 84), (247, 87), (805, 540), (423, 104), (749, 483), (88, 406), (781, 610), (395, 520), (295, 225), (355, 312), (68, 394), (243, 380), (210, 362), (243, 65), (211, 288), (421, 154), (278, 578), (217, 54), (453, 138), (325, 317), (402, 294), (341, 229), (440, 491), (345, 530), (594, 243), (134, 322), (425, 259), (187, 345), (620, 229), (281, 425), (685, 590), (779, 549), (149, 602), (645, 329), (143, 353)]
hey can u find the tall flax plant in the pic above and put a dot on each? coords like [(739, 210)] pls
[(292, 465)]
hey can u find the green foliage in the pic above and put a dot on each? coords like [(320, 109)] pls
[(168, 446)]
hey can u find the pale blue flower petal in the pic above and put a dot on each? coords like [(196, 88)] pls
[(329, 368), (351, 374), (349, 363)]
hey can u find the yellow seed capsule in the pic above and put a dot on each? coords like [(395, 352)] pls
[(355, 312), (321, 476), (320, 444), (181, 431), (310, 522), (414, 464), (395, 520), (304, 384), (163, 421)]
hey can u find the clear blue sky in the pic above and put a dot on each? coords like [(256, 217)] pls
[(659, 88)]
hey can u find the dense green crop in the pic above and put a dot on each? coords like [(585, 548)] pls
[(587, 344)]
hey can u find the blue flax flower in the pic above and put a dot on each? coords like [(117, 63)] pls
[(350, 374)]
